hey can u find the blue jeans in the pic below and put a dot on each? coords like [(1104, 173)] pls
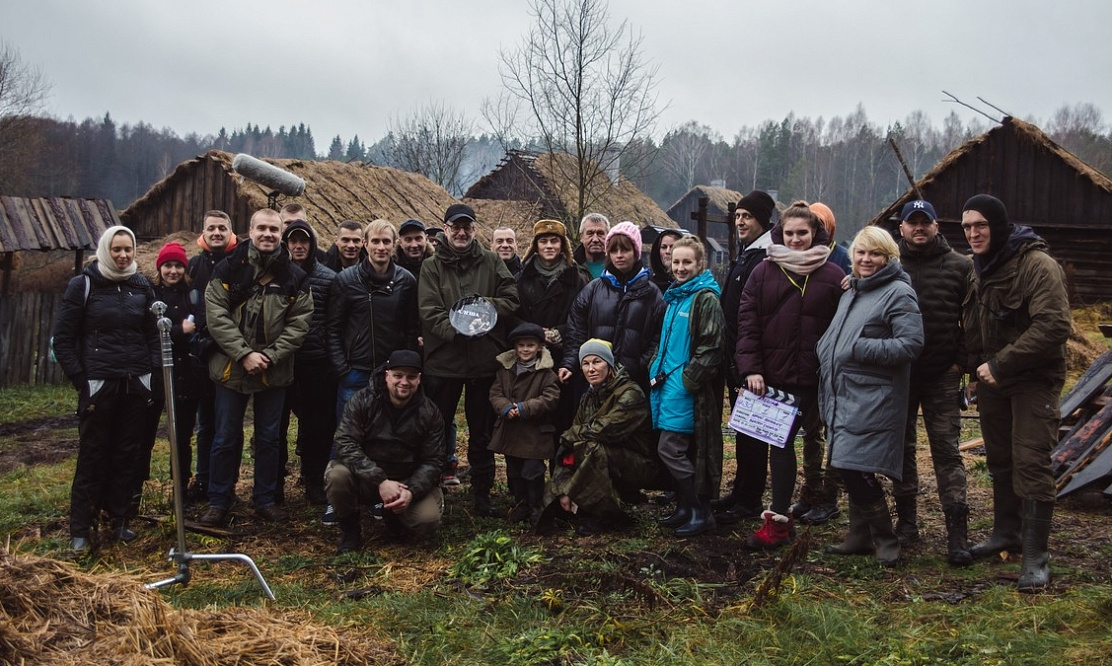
[(227, 446), (349, 385)]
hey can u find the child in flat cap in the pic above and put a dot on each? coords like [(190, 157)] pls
[(524, 396)]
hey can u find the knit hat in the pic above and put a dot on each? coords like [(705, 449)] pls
[(826, 216), (171, 252), (597, 347), (992, 208), (631, 231), (760, 205), (526, 330)]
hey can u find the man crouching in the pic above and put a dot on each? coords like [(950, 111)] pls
[(390, 450)]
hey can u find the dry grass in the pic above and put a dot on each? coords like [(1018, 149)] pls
[(52, 613)]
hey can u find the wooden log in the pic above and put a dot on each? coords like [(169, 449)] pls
[(971, 444), (1088, 385), (1068, 451)]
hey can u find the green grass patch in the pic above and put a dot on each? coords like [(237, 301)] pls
[(28, 403)]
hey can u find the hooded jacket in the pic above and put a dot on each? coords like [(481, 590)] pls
[(200, 271), (1016, 316), (446, 277), (661, 274), (627, 314), (256, 302), (378, 441), (865, 361), (370, 316), (315, 347), (740, 270), (940, 277)]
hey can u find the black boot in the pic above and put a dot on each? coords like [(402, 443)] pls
[(535, 488), (886, 545), (481, 491), (1006, 521), (701, 516), (121, 533), (859, 541), (907, 524), (682, 514), (1035, 573), (957, 535), (352, 530)]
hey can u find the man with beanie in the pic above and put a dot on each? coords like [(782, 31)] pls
[(940, 277), (389, 452), (458, 364), (312, 396), (216, 240), (753, 219), (1016, 320), (259, 310)]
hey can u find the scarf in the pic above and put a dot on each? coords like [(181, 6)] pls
[(549, 274), (800, 262), (105, 263)]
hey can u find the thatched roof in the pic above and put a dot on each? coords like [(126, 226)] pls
[(537, 178), (1026, 133), (334, 191), (719, 198)]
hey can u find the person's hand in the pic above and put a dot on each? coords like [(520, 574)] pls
[(563, 374), (188, 326), (984, 374), (513, 413), (845, 283), (755, 384), (567, 505), (255, 363), (421, 341), (552, 336), (395, 496)]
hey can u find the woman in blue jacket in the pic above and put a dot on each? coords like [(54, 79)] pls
[(687, 381)]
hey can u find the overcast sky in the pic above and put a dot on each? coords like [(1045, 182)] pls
[(348, 66)]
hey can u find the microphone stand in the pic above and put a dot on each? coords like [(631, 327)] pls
[(180, 555)]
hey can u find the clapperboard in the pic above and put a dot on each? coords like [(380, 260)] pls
[(768, 418)]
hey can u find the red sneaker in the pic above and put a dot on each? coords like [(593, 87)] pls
[(776, 531)]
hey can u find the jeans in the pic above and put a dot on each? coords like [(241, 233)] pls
[(227, 448)]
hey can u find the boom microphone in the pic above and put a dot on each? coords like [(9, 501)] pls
[(268, 175)]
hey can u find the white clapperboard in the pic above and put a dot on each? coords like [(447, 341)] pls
[(768, 418)]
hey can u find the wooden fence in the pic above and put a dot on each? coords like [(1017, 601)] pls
[(26, 320)]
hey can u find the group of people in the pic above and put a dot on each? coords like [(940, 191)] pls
[(597, 371)]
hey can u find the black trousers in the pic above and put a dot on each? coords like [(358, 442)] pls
[(446, 392), (312, 398)]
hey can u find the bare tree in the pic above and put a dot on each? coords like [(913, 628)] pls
[(431, 141), (587, 89), (23, 92), (684, 148)]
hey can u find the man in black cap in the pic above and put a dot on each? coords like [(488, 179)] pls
[(457, 364), (389, 453), (413, 247), (312, 396), (940, 277), (1016, 320), (753, 220)]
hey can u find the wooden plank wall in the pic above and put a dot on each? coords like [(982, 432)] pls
[(26, 320), (182, 206)]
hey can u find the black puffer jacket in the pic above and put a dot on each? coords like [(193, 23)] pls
[(940, 277), (627, 314), (661, 274), (315, 346), (369, 317), (732, 289), (378, 441), (200, 271), (111, 334), (179, 306), (547, 304)]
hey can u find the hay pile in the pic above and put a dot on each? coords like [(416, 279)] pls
[(52, 613), (1081, 350)]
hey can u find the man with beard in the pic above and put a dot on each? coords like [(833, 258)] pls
[(458, 364)]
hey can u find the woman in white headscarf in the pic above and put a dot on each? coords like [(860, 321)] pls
[(106, 341)]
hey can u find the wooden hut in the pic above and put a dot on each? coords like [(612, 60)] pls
[(1043, 185), (718, 215), (48, 226), (534, 179), (334, 192)]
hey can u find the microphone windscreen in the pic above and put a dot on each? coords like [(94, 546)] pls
[(268, 175)]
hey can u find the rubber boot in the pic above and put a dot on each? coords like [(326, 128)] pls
[(886, 546), (481, 489), (1035, 573), (352, 531), (907, 523), (1006, 521), (957, 535), (535, 488), (701, 517), (520, 491), (859, 541), (684, 505)]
